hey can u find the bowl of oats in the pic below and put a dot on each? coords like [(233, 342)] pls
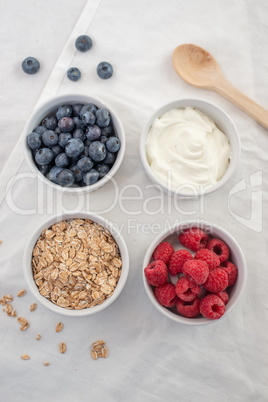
[(76, 264)]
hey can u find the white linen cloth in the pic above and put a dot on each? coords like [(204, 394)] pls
[(151, 357)]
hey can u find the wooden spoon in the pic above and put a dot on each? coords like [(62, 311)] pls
[(197, 67)]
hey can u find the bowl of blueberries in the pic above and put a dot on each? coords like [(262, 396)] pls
[(74, 142)]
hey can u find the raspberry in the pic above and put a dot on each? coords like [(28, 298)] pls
[(177, 260), (209, 257), (186, 290), (223, 296), (188, 309), (231, 270), (220, 248), (212, 307), (156, 273), (196, 271), (193, 238), (163, 252), (217, 280), (165, 295)]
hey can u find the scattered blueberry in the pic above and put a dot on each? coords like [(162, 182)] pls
[(97, 151), (85, 164), (103, 169), (50, 138), (40, 129), (103, 139), (74, 147), (30, 65), (88, 143), (64, 111), (113, 144), (84, 153), (83, 43), (44, 156), (50, 122), (57, 150), (78, 123), (64, 138), (66, 124), (79, 133), (74, 74), (110, 158), (78, 174), (53, 174), (88, 118), (65, 178), (102, 117), (105, 70), (91, 177), (93, 133), (62, 160), (34, 140), (77, 109)]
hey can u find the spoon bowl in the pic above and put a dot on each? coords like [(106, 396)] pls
[(197, 67)]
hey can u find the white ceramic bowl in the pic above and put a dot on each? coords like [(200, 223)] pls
[(51, 106), (223, 122), (236, 256), (28, 272)]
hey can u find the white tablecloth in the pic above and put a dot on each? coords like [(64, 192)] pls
[(151, 357)]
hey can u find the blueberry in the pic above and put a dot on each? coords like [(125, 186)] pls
[(64, 138), (103, 139), (74, 74), (40, 129), (85, 164), (44, 156), (84, 153), (88, 118), (103, 117), (91, 177), (105, 70), (64, 111), (110, 158), (113, 144), (97, 151), (62, 160), (88, 143), (107, 131), (89, 107), (65, 178), (79, 133), (53, 174), (44, 169), (30, 65), (74, 147), (83, 43), (50, 122), (78, 123), (57, 150), (78, 174), (103, 169), (50, 138), (66, 124), (77, 109), (34, 140), (93, 133), (57, 130)]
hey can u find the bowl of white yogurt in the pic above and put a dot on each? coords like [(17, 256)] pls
[(190, 147)]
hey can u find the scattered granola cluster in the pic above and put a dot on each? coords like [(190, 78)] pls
[(76, 264)]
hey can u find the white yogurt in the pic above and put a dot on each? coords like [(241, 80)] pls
[(186, 149)]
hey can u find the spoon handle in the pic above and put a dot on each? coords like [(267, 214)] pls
[(228, 91)]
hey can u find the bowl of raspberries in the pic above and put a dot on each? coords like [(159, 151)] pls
[(74, 142), (194, 273)]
